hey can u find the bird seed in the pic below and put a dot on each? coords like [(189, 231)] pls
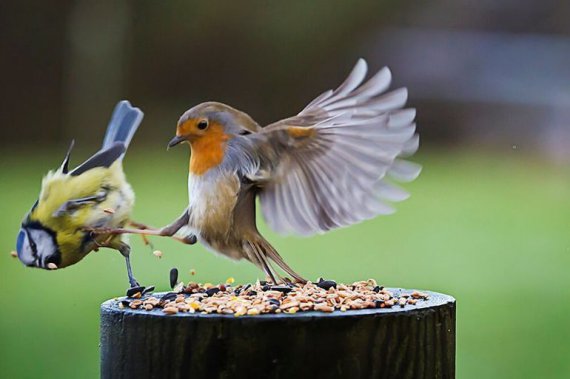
[(263, 298)]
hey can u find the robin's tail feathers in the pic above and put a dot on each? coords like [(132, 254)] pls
[(263, 255)]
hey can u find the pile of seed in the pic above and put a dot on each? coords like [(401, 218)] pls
[(263, 297)]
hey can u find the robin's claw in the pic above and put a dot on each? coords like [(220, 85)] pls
[(190, 239)]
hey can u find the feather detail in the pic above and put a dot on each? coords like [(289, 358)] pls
[(336, 156), (123, 125), (64, 168)]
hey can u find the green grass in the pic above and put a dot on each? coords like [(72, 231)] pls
[(491, 230)]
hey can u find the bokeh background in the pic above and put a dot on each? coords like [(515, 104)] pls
[(488, 221)]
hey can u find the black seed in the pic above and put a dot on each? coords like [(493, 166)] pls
[(320, 280), (237, 291), (148, 289), (168, 296), (246, 287), (274, 302), (125, 303), (134, 290), (252, 293), (212, 291), (378, 303), (266, 288), (173, 277), (326, 284), (377, 289), (283, 289)]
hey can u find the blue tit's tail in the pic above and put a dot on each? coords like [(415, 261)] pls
[(123, 125)]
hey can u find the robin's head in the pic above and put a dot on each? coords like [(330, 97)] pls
[(212, 121), (208, 128)]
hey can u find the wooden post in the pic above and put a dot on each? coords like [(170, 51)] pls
[(417, 341)]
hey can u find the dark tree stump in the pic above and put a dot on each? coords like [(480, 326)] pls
[(417, 341)]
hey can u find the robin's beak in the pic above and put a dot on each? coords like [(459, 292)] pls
[(176, 140)]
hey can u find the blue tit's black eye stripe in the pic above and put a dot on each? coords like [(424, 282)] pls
[(31, 242), (37, 225)]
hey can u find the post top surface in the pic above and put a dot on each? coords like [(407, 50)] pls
[(435, 300)]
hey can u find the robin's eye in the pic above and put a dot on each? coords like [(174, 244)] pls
[(203, 124)]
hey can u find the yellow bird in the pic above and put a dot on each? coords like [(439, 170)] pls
[(56, 232), (332, 165)]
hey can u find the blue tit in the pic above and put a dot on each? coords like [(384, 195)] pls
[(56, 232)]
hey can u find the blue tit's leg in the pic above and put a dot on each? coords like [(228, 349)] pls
[(125, 250), (73, 204)]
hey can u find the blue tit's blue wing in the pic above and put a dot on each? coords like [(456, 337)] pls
[(103, 158), (123, 125)]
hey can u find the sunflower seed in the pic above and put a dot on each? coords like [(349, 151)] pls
[(173, 277)]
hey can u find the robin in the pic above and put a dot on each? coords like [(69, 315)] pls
[(330, 166)]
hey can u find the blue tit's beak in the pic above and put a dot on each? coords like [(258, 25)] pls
[(175, 141)]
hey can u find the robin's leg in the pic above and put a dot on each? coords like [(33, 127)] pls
[(145, 230), (189, 240), (176, 225), (141, 226)]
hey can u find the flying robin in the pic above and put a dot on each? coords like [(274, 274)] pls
[(331, 165)]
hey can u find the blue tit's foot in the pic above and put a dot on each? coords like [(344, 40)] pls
[(138, 289), (134, 290)]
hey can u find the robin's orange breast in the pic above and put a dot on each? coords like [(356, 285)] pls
[(208, 150)]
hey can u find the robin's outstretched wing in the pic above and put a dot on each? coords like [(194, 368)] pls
[(332, 164)]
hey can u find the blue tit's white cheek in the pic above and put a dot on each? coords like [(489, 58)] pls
[(46, 249)]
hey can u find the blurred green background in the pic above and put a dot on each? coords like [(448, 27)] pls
[(488, 219)]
